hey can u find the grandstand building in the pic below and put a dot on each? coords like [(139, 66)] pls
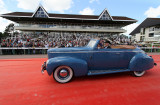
[(64, 24), (148, 31)]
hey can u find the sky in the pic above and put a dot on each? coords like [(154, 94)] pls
[(136, 9)]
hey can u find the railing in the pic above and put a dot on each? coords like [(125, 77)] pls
[(22, 50), (42, 50), (70, 27), (152, 39), (151, 49)]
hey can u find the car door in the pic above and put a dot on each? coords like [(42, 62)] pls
[(108, 59)]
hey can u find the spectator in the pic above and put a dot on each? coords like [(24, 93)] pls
[(57, 40)]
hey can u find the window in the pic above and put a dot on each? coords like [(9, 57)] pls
[(142, 38), (92, 43), (151, 34), (143, 30), (151, 29), (157, 28)]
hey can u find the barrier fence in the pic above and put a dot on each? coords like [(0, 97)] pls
[(22, 50), (151, 49), (42, 50)]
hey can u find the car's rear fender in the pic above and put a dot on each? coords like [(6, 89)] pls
[(78, 66), (141, 62)]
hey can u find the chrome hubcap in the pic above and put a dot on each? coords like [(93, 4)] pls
[(63, 73)]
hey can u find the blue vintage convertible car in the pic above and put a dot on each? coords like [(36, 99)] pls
[(64, 63)]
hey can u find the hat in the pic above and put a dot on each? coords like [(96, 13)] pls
[(106, 41)]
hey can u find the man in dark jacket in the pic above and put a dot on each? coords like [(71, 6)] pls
[(107, 44)]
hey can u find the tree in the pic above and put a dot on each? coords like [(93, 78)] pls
[(1, 35), (8, 30)]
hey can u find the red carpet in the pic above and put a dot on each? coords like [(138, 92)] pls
[(21, 83)]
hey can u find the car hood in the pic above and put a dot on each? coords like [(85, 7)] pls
[(68, 49)]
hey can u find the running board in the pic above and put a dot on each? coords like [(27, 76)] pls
[(98, 72)]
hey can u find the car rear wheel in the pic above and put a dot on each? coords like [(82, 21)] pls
[(63, 74), (138, 73)]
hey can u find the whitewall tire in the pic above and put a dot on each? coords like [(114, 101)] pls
[(138, 73), (63, 74)]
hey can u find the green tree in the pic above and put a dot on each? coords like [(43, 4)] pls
[(8, 30), (1, 34)]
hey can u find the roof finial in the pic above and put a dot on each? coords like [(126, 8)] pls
[(40, 3)]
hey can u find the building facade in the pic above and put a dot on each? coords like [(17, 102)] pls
[(69, 24), (148, 31)]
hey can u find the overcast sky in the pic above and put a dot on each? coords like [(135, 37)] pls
[(136, 9)]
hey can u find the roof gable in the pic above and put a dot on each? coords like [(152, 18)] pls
[(40, 13), (148, 22), (105, 15)]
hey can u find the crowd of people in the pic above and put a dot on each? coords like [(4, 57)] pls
[(44, 41), (56, 41), (32, 40), (118, 40), (39, 43)]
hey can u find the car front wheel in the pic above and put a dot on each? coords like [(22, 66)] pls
[(138, 73), (63, 74)]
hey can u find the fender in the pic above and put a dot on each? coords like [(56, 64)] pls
[(141, 62), (78, 66)]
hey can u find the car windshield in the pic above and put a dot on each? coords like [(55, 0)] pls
[(91, 43)]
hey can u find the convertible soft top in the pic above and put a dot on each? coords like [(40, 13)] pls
[(123, 47)]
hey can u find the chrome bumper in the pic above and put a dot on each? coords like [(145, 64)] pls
[(43, 67)]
